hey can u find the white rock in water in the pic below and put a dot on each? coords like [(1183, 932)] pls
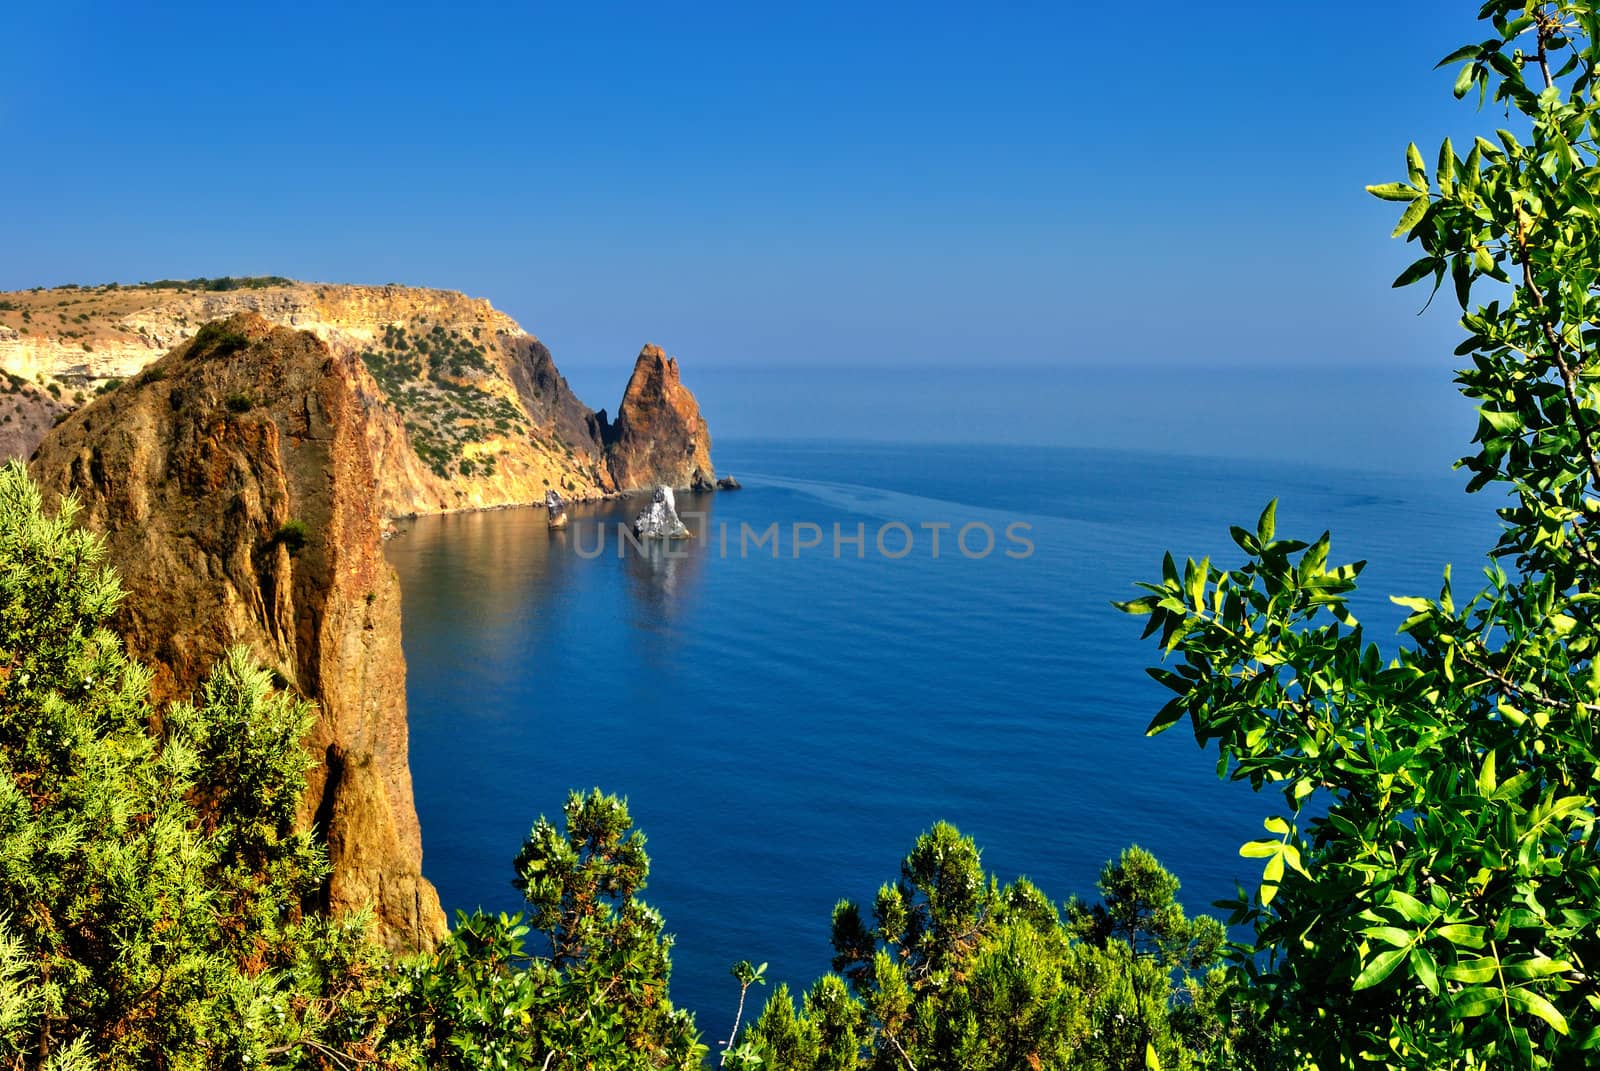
[(660, 521)]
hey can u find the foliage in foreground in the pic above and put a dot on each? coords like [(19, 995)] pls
[(1431, 887), (957, 973), (151, 880)]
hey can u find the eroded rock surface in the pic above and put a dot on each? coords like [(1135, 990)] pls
[(659, 436), (27, 413), (235, 483)]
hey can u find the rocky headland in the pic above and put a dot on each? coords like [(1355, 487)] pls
[(481, 417), (243, 480)]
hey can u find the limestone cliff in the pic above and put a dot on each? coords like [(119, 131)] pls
[(477, 413), (659, 436), (236, 483)]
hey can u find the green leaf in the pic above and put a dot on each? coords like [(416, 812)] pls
[(1410, 217), (1390, 935), (1410, 908), (1472, 971), (1534, 1004), (1272, 873), (1463, 935), (1382, 965), (1464, 80), (1418, 271), (1461, 277), (1472, 1003), (1426, 970), (1395, 191), (1415, 170), (1502, 423), (1464, 52), (1166, 718), (1267, 524), (1537, 967)]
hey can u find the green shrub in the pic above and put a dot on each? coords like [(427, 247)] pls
[(953, 972), (293, 535), (135, 930), (1431, 863), (240, 403), (152, 880), (215, 340)]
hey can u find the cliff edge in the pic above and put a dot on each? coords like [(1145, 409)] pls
[(479, 414), (237, 484)]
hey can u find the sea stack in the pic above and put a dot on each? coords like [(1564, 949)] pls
[(660, 520), (659, 436)]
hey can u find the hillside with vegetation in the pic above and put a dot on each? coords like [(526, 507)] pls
[(488, 418), (1429, 874)]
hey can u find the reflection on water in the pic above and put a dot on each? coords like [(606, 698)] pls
[(663, 574), (784, 727), (515, 569)]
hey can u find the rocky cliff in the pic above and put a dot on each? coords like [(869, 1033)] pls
[(237, 483), (479, 414), (27, 412), (243, 478), (659, 436)]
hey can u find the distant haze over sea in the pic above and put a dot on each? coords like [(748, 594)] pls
[(1362, 416)]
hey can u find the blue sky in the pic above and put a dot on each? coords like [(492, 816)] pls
[(807, 184)]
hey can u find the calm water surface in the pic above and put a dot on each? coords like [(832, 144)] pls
[(783, 729)]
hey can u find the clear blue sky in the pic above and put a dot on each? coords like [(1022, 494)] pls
[(815, 183)]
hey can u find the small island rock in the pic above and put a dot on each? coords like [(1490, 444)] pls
[(661, 520)]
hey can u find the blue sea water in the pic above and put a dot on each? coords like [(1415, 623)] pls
[(784, 727)]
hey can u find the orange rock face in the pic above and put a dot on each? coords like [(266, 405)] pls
[(235, 483), (659, 436), (478, 414), (241, 482)]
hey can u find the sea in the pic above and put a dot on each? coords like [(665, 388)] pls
[(786, 708)]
